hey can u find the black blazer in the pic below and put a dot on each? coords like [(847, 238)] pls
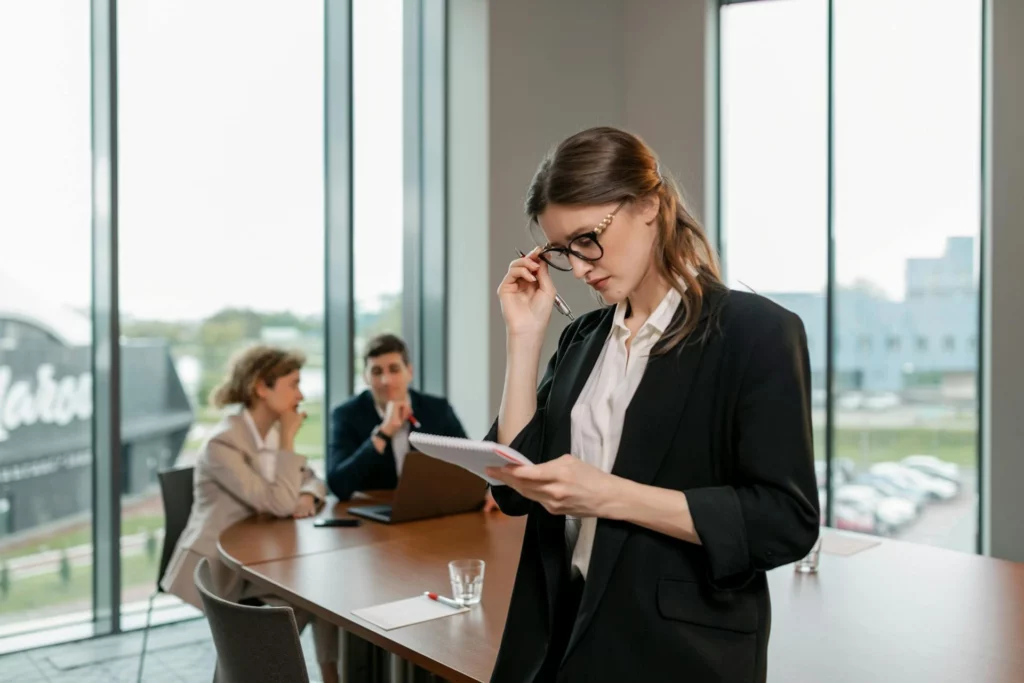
[(726, 421), (353, 464)]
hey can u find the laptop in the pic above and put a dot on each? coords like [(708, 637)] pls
[(428, 488)]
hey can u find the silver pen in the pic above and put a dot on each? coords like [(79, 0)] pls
[(560, 304)]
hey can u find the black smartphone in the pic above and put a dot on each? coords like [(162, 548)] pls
[(326, 521)]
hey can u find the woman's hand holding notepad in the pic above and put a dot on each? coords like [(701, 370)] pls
[(475, 456)]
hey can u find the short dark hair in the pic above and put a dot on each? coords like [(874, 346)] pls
[(383, 344)]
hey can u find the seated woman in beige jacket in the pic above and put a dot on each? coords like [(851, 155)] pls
[(249, 466)]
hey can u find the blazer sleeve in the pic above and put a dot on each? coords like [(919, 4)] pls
[(351, 458), (529, 441), (313, 485), (769, 517), (227, 465)]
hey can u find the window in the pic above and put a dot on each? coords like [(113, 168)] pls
[(904, 171), (774, 162), (378, 180), (46, 457), (221, 149), (908, 135), (221, 230)]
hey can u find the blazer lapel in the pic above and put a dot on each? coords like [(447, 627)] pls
[(660, 401), (241, 436), (573, 372)]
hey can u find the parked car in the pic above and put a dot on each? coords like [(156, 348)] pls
[(941, 489), (839, 476), (887, 487), (843, 470), (852, 518), (934, 467), (891, 513), (848, 517)]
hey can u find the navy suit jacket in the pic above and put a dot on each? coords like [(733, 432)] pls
[(353, 464)]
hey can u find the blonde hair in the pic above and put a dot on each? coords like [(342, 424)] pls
[(255, 364), (606, 165)]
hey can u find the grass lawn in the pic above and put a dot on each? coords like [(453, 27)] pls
[(868, 446), (47, 590), (83, 536)]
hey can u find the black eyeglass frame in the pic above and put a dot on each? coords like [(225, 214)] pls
[(592, 236)]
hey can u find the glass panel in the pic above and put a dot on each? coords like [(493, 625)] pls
[(45, 328), (774, 167), (222, 242), (908, 150), (377, 53)]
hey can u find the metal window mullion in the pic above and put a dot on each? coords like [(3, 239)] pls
[(412, 183), (339, 311), (106, 358), (981, 546), (433, 191), (830, 286)]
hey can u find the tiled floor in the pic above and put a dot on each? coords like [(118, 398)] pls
[(179, 653)]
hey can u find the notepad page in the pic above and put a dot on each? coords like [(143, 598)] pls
[(474, 456), (400, 613)]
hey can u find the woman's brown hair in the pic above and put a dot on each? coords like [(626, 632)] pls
[(605, 166), (255, 364)]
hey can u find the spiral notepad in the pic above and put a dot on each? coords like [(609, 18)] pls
[(470, 455)]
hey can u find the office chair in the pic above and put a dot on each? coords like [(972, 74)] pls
[(176, 491), (254, 644)]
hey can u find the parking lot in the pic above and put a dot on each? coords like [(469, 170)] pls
[(950, 524)]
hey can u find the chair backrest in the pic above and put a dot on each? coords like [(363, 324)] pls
[(254, 644), (177, 493)]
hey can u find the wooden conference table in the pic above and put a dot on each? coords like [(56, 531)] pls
[(896, 611)]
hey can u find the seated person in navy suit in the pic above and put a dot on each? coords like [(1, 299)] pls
[(370, 432)]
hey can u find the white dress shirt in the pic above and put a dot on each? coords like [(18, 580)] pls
[(266, 449), (399, 442), (600, 410)]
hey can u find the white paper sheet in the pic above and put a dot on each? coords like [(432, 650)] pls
[(400, 613), (470, 455)]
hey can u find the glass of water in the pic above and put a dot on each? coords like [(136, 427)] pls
[(809, 564), (467, 580)]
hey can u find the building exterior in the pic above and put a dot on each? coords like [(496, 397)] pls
[(923, 347), (46, 408)]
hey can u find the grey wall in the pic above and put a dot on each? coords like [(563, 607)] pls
[(556, 68), (1004, 403), (551, 69)]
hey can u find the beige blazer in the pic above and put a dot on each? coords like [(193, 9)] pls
[(228, 488)]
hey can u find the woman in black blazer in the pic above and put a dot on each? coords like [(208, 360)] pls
[(685, 408)]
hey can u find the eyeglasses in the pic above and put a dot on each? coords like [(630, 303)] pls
[(584, 247)]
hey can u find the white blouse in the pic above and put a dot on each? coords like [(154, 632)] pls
[(266, 449), (600, 410), (399, 441)]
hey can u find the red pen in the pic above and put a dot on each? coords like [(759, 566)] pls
[(415, 422), (443, 600)]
